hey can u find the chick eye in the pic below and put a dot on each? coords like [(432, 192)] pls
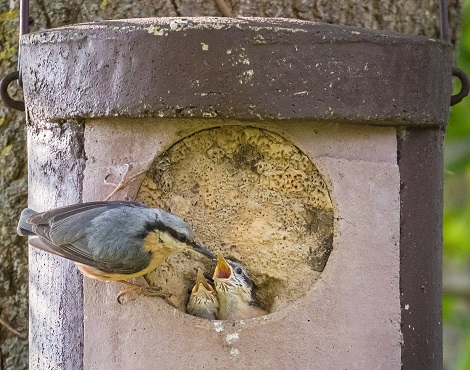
[(239, 271)]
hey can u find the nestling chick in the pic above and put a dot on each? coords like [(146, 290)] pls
[(203, 300), (110, 241), (234, 291)]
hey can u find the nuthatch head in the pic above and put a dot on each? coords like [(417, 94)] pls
[(234, 290), (110, 240), (203, 301)]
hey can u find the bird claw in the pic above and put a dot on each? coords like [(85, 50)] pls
[(122, 293)]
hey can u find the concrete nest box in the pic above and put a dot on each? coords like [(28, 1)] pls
[(307, 152)]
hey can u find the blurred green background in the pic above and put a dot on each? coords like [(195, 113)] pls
[(456, 301)]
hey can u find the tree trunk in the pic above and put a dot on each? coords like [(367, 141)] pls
[(408, 16)]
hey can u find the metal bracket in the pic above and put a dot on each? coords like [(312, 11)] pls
[(5, 81), (464, 90), (10, 102), (445, 36)]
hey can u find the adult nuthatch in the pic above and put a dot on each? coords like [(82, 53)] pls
[(110, 241), (234, 291), (203, 300)]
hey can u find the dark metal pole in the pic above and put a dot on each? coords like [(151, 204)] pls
[(24, 29), (24, 17), (444, 20)]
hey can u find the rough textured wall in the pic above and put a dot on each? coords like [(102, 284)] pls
[(13, 193), (55, 286), (235, 185), (417, 17)]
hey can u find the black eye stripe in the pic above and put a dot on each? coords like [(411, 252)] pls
[(158, 225)]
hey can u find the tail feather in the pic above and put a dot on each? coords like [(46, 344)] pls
[(47, 246), (24, 227)]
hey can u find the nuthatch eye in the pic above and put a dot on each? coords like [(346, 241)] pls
[(203, 301), (234, 291), (110, 241)]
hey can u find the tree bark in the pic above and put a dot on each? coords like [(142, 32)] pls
[(420, 17)]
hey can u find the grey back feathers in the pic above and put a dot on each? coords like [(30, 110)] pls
[(106, 235)]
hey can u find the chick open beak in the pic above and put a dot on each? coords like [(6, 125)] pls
[(223, 269), (200, 279), (200, 249)]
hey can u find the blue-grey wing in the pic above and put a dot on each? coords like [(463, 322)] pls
[(104, 235)]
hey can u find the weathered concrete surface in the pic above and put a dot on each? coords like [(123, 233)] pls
[(420, 158), (244, 68), (350, 318), (55, 285)]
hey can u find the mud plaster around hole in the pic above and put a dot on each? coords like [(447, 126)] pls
[(252, 195)]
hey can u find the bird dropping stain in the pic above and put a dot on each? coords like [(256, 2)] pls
[(218, 326), (232, 338), (234, 352)]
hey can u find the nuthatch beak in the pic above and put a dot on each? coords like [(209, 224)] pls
[(200, 249)]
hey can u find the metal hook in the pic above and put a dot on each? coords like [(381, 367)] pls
[(464, 90), (445, 36), (4, 83)]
